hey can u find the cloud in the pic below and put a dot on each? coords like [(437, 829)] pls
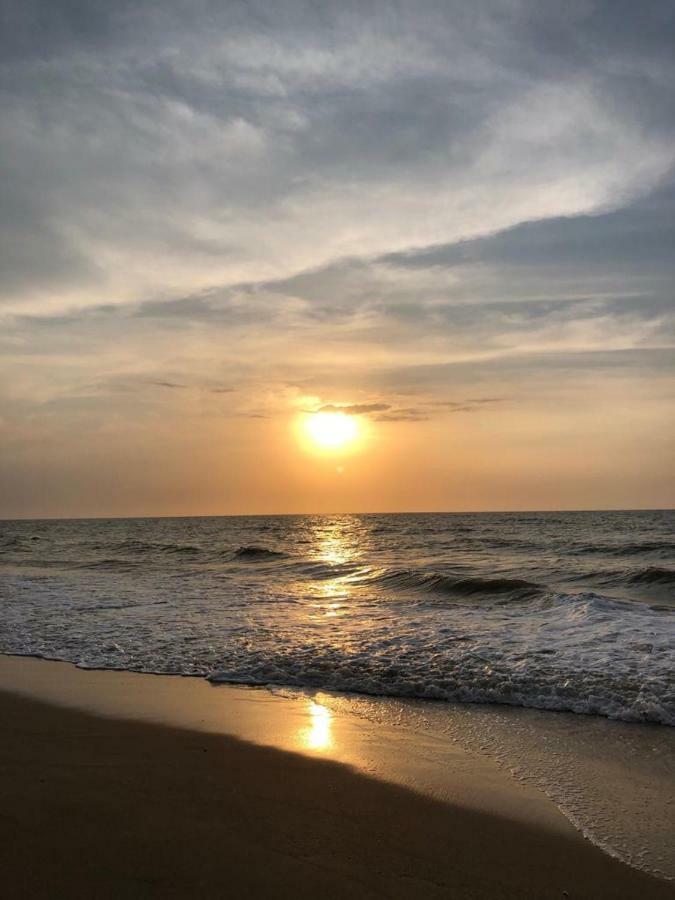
[(355, 409), (632, 239), (148, 153), (403, 415), (466, 405), (380, 412), (175, 385)]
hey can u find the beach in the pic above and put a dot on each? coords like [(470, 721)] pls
[(337, 508), (125, 804)]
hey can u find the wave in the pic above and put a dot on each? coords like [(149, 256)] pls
[(316, 570), (110, 565), (629, 549), (652, 575), (625, 703), (459, 585), (584, 653), (11, 542), (506, 543), (562, 671), (96, 608), (255, 554), (147, 547)]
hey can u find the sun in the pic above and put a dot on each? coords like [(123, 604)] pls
[(331, 430)]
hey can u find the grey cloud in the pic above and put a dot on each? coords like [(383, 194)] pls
[(615, 265), (471, 405), (380, 412), (224, 138), (355, 409), (174, 385), (639, 235), (646, 362), (403, 415)]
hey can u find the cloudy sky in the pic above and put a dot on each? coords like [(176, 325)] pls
[(453, 220)]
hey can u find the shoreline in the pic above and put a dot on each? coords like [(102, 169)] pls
[(281, 720), (310, 739)]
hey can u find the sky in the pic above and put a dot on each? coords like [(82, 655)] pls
[(451, 222)]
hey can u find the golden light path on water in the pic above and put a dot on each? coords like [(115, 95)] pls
[(338, 543)]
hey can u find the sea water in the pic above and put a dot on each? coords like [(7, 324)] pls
[(557, 611)]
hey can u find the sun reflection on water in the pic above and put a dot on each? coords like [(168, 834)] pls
[(337, 545), (340, 541), (330, 600), (333, 549)]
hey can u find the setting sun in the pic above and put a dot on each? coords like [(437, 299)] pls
[(331, 430)]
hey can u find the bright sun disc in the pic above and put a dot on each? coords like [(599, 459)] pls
[(330, 430)]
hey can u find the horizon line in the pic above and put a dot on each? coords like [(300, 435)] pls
[(466, 512)]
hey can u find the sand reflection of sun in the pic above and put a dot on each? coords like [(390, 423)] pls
[(317, 735)]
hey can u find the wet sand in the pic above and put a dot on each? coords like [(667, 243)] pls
[(98, 806)]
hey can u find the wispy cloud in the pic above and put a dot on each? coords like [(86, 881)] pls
[(182, 386), (403, 415), (469, 405), (354, 409)]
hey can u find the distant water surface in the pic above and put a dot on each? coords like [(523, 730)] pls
[(558, 611)]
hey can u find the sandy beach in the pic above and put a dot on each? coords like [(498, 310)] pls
[(98, 805)]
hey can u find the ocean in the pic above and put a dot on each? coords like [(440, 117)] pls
[(556, 611)]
